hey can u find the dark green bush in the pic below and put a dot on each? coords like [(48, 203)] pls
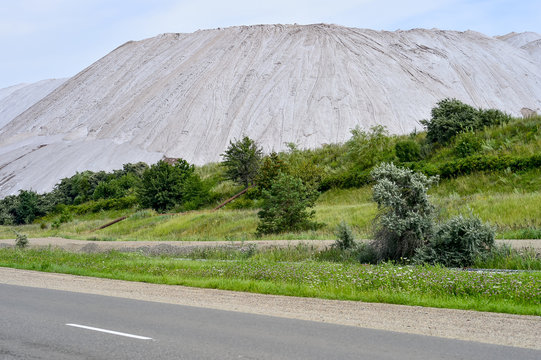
[(271, 168), (467, 144), (457, 243), (451, 117), (345, 239), (165, 186), (407, 150), (21, 240)]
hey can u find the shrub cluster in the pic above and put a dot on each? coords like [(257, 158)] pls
[(405, 227), (457, 243), (451, 117), (406, 217)]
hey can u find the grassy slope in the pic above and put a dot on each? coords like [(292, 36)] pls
[(508, 211), (508, 200)]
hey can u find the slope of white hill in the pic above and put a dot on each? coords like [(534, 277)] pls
[(14, 100), (188, 95), (534, 49), (520, 39)]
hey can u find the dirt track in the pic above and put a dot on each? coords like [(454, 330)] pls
[(156, 247)]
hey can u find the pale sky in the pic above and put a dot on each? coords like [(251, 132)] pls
[(43, 39)]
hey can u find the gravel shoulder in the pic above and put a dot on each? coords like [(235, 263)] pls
[(491, 328)]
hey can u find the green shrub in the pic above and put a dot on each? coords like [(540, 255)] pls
[(165, 186), (407, 150), (366, 149), (405, 218), (451, 117), (476, 163), (467, 144), (285, 206), (21, 240), (457, 243), (366, 254), (345, 239), (491, 117)]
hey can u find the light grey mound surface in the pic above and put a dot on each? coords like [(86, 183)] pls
[(188, 95)]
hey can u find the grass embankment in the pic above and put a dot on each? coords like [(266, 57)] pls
[(517, 293), (515, 214)]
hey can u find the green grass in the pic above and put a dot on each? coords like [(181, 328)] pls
[(514, 214), (504, 257), (517, 293)]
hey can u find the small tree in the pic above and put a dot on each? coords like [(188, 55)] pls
[(285, 206), (406, 217), (270, 170), (242, 160), (449, 118)]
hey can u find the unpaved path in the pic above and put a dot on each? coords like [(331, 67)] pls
[(492, 328), (179, 246)]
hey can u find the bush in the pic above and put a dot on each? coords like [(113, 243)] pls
[(165, 186), (405, 218), (467, 144), (457, 243), (451, 117), (407, 150), (345, 239), (365, 149), (21, 241), (285, 206)]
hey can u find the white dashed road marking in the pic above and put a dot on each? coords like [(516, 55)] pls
[(110, 332)]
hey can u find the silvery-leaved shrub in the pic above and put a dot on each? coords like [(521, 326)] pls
[(405, 219), (457, 243)]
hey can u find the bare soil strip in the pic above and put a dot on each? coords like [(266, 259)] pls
[(492, 328), (172, 246)]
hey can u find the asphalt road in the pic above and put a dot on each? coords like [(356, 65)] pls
[(50, 324)]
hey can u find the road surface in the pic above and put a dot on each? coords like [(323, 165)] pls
[(38, 323)]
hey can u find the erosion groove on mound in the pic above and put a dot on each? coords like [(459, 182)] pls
[(188, 95)]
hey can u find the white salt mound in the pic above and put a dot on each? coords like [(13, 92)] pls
[(188, 95)]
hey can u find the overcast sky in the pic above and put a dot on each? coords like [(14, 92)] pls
[(41, 39)]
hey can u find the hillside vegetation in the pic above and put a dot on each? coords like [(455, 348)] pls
[(490, 167)]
